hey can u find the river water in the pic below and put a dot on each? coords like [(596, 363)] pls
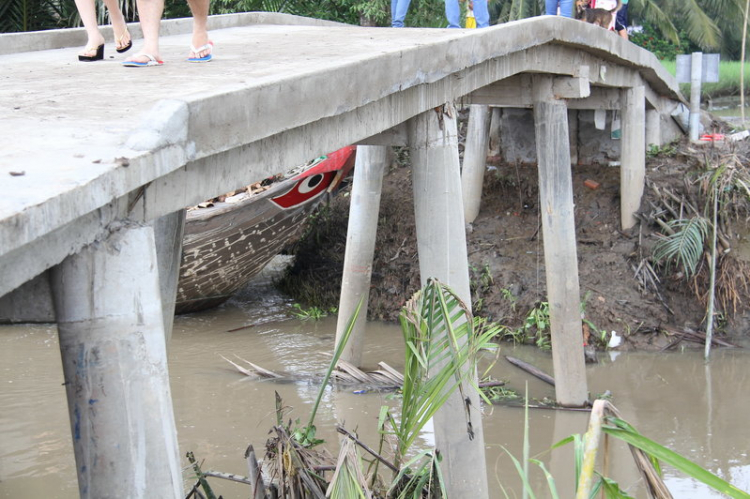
[(699, 410)]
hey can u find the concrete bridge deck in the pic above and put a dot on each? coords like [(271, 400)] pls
[(94, 152), (275, 96)]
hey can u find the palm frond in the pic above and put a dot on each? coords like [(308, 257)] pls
[(699, 27), (35, 15), (442, 347), (684, 248), (652, 13), (348, 481), (425, 477)]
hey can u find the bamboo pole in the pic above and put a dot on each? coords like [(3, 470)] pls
[(712, 286)]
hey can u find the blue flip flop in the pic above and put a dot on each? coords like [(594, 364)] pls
[(209, 46), (152, 61)]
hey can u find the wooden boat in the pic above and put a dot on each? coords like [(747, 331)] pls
[(228, 243), (224, 245)]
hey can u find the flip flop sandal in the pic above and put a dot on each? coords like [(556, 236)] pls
[(209, 46), (152, 61), (119, 47)]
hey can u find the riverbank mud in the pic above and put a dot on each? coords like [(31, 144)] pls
[(625, 293)]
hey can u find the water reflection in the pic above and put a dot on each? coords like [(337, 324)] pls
[(696, 409)]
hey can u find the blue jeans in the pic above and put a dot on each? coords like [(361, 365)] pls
[(566, 7), (453, 13), (399, 8)]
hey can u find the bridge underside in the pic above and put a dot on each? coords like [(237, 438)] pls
[(100, 154)]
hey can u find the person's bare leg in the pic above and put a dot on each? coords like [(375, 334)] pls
[(150, 12), (623, 33), (199, 9), (87, 11), (119, 27)]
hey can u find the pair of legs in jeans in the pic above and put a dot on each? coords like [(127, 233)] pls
[(452, 12), (566, 7)]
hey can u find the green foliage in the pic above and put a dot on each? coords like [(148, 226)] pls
[(348, 481), (312, 313), (662, 47), (512, 10), (306, 435), (425, 477), (684, 247), (728, 84), (480, 279), (537, 325), (668, 150), (500, 394), (440, 340), (625, 432), (36, 15), (200, 476), (509, 296)]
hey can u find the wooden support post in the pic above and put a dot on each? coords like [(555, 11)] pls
[(653, 128), (360, 246), (475, 160), (441, 243), (114, 357), (558, 224), (633, 155), (168, 231)]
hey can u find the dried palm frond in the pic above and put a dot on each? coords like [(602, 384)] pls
[(348, 481)]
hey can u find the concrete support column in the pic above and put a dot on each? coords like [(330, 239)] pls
[(360, 246), (696, 76), (573, 135), (558, 224), (495, 121), (441, 243), (114, 357), (475, 160), (168, 231), (653, 128), (633, 156)]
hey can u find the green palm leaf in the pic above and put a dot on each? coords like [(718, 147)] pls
[(684, 247), (653, 14), (441, 351), (700, 28), (628, 434)]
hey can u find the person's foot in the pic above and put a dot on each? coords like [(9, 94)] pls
[(142, 60), (202, 44), (92, 47), (201, 53), (123, 42)]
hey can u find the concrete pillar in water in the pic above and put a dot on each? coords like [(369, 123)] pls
[(114, 357), (360, 246), (441, 243), (168, 231), (558, 224), (653, 128), (633, 156), (475, 160)]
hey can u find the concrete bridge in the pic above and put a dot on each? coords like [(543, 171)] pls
[(99, 161)]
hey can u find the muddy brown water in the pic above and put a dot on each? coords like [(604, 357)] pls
[(699, 410)]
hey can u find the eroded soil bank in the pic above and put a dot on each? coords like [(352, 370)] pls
[(623, 289)]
